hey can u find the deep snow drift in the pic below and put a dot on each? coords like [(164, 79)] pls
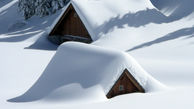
[(176, 9), (162, 45), (86, 71)]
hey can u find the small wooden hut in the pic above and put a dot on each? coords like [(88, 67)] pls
[(69, 28), (125, 84)]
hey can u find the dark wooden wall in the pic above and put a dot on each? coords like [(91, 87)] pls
[(127, 83), (70, 24)]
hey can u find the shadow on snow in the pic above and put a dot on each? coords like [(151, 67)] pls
[(186, 32), (42, 43), (50, 81), (140, 18), (182, 8)]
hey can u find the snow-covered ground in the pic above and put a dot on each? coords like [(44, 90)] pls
[(164, 49)]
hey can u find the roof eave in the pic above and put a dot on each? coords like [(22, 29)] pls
[(86, 24)]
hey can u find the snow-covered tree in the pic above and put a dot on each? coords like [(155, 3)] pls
[(40, 7)]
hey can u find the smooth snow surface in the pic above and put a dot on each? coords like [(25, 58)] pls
[(86, 67), (160, 38)]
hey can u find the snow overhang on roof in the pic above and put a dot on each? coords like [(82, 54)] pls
[(83, 19), (95, 13), (89, 68)]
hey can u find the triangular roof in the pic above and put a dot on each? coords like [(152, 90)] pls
[(84, 21), (129, 85), (95, 13), (70, 9)]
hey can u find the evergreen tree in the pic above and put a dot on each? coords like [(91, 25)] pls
[(40, 7)]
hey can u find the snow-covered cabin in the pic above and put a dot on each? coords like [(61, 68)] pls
[(126, 83), (88, 71), (70, 28), (88, 20)]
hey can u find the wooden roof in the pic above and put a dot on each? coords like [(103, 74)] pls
[(128, 83)]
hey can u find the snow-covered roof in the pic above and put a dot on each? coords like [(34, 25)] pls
[(95, 13), (103, 65), (89, 66)]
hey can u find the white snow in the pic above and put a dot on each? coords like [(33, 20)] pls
[(87, 66), (162, 45), (95, 14)]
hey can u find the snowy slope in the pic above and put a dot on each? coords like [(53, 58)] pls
[(89, 67), (163, 45), (175, 8)]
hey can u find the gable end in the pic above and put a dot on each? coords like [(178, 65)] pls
[(70, 28), (125, 84)]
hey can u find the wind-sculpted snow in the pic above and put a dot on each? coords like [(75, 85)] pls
[(87, 69), (175, 9), (161, 39), (187, 33)]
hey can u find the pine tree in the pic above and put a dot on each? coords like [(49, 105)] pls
[(41, 8)]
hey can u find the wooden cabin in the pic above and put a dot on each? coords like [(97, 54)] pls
[(125, 84), (69, 28)]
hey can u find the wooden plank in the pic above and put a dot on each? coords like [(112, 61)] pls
[(70, 24), (128, 83), (134, 81)]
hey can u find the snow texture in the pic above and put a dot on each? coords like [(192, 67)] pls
[(176, 9), (95, 13), (89, 66), (162, 42)]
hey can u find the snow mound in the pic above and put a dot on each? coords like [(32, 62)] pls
[(83, 71), (175, 8)]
